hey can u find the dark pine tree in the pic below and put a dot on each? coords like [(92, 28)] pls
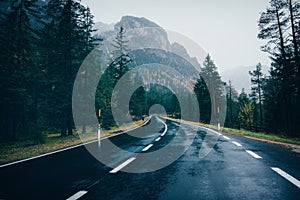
[(208, 90), (278, 25), (19, 37), (256, 81), (69, 40)]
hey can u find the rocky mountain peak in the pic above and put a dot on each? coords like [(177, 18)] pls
[(130, 22)]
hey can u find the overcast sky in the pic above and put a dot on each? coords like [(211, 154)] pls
[(227, 29)]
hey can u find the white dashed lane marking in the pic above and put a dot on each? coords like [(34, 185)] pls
[(147, 147), (227, 138), (237, 144), (287, 176), (157, 139), (253, 154), (115, 170), (77, 195), (276, 169)]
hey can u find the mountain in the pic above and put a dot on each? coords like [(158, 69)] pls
[(180, 50), (142, 32), (168, 63), (130, 22), (165, 67), (103, 27)]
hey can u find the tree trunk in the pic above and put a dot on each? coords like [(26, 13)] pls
[(69, 121), (295, 44), (282, 48), (63, 132), (260, 101)]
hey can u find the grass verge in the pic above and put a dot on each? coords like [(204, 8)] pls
[(245, 133), (265, 136), (14, 151)]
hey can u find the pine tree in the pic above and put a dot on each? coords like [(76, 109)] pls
[(116, 69), (278, 25), (137, 102), (294, 15), (256, 81), (18, 39), (87, 43), (202, 93), (272, 104), (272, 25), (103, 100), (120, 57), (174, 108), (209, 91), (232, 106), (294, 11), (246, 108), (69, 27)]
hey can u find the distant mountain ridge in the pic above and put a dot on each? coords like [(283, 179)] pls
[(130, 22), (239, 76), (143, 32), (103, 27), (168, 63)]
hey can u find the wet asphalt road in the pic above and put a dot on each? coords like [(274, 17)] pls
[(227, 172)]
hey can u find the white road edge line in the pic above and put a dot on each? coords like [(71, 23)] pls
[(147, 147), (157, 139), (166, 127), (77, 195), (287, 176), (227, 138), (253, 154), (211, 130), (72, 147), (237, 144), (118, 168)]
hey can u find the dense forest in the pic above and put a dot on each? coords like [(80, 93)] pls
[(44, 44), (274, 103)]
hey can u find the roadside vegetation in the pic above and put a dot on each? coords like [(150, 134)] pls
[(18, 150), (265, 136)]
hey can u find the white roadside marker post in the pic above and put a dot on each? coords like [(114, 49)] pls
[(99, 136), (219, 126), (99, 129)]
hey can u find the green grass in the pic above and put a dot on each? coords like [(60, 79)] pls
[(13, 151), (265, 136), (245, 133)]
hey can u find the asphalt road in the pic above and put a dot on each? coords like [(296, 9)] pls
[(235, 168)]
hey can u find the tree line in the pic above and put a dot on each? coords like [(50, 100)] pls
[(279, 25), (274, 102), (43, 46)]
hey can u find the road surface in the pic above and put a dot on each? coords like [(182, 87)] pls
[(235, 168)]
